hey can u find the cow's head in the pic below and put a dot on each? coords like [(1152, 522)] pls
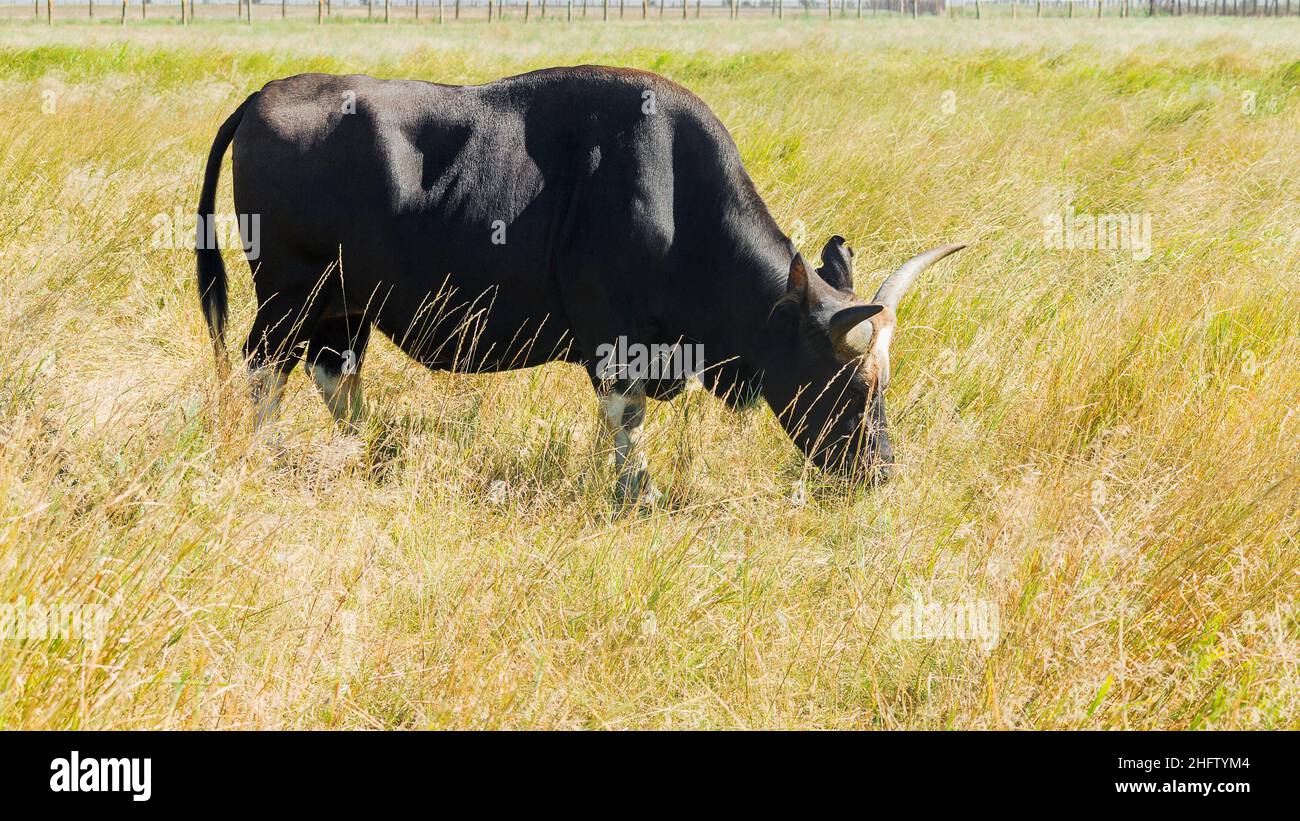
[(826, 362)]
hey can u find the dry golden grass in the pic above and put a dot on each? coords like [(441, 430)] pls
[(1104, 449)]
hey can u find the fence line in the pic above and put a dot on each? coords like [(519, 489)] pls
[(529, 10)]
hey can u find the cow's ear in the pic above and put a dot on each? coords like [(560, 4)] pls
[(837, 264), (796, 285), (792, 303)]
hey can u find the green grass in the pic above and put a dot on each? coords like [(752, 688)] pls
[(1103, 449)]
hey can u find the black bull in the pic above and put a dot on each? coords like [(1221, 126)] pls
[(535, 219)]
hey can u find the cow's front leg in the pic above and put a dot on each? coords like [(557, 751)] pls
[(623, 415)]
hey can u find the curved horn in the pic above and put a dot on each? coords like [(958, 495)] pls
[(850, 328), (896, 284)]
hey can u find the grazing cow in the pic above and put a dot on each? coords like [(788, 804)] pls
[(539, 218)]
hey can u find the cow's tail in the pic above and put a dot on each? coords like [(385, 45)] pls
[(211, 270)]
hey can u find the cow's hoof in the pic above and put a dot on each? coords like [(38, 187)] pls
[(636, 490)]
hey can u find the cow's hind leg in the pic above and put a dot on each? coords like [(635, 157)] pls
[(272, 349), (334, 357)]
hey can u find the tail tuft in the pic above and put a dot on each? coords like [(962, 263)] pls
[(212, 295)]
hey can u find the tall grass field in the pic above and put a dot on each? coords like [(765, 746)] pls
[(1094, 522)]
